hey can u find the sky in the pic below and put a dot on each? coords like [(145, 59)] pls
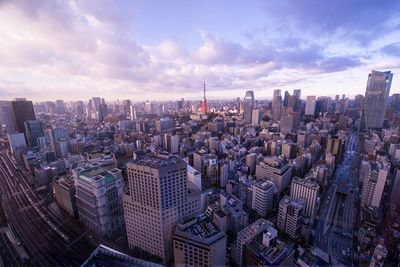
[(161, 50)]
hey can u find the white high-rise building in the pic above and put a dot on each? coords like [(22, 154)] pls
[(157, 200), (262, 197), (310, 105), (307, 190), (289, 215), (374, 183), (99, 197), (275, 169)]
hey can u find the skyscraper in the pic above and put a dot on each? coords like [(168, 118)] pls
[(374, 183), (6, 116), (262, 197), (248, 107), (246, 235), (289, 215), (276, 105), (310, 105), (308, 190), (98, 197), (199, 242), (33, 130), (156, 202), (376, 95), (22, 111)]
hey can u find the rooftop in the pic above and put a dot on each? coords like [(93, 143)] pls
[(276, 254), (105, 256), (306, 182), (297, 203), (158, 160), (200, 229)]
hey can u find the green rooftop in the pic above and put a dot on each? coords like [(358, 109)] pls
[(88, 175)]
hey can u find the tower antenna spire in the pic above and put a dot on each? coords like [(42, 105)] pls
[(204, 88), (204, 102)]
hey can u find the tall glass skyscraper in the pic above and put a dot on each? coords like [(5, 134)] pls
[(248, 106), (376, 95)]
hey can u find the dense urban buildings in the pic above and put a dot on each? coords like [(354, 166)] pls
[(243, 182)]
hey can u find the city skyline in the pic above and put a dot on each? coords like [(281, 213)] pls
[(199, 133), (159, 51)]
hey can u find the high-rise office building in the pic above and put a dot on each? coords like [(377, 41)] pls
[(60, 107), (395, 189), (395, 102), (310, 105), (256, 116), (374, 183), (6, 116), (33, 130), (64, 193), (251, 160), (248, 105), (275, 169), (199, 242), (262, 197), (376, 95), (290, 122), (156, 202), (96, 101), (286, 99), (277, 105), (307, 190), (289, 216), (247, 235), (22, 111), (98, 195)]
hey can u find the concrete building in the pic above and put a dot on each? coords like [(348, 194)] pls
[(16, 141), (33, 130), (248, 105), (395, 191), (251, 160), (256, 116), (157, 200), (290, 122), (290, 215), (376, 95), (247, 235), (275, 169), (99, 197), (379, 256), (262, 197), (199, 242), (267, 250), (64, 192), (164, 124), (374, 183), (106, 256), (310, 106), (277, 105), (309, 191), (6, 116), (22, 111)]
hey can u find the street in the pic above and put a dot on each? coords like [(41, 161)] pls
[(334, 233)]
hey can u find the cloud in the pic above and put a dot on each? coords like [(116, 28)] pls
[(86, 47), (392, 49)]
